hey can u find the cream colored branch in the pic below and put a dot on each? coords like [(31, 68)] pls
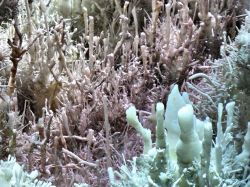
[(69, 153)]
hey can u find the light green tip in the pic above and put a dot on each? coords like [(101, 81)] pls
[(160, 107), (185, 116), (131, 115)]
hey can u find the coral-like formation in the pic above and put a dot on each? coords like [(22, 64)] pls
[(198, 162), (70, 69), (228, 79), (12, 174)]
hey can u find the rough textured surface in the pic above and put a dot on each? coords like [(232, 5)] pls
[(8, 10), (67, 110)]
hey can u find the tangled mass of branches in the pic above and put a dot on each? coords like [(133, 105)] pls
[(71, 68)]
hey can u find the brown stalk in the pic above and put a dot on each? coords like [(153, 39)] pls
[(17, 52)]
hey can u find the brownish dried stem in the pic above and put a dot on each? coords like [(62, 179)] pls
[(81, 161), (30, 158), (107, 130), (43, 157), (16, 55), (60, 41)]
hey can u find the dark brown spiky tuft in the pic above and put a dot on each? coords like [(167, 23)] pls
[(8, 10)]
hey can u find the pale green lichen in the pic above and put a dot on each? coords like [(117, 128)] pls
[(132, 119), (199, 162), (189, 146), (13, 175), (174, 103)]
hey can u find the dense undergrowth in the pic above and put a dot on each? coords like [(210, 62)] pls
[(70, 70)]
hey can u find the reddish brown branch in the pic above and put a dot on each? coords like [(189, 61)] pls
[(16, 55)]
